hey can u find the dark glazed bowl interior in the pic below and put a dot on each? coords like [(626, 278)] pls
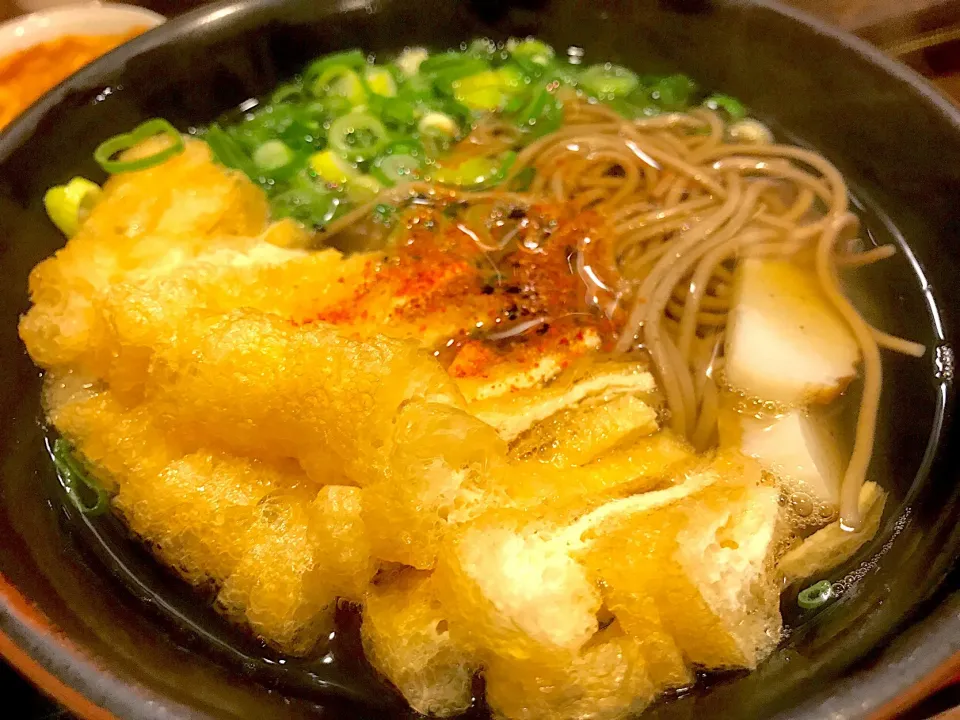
[(104, 627)]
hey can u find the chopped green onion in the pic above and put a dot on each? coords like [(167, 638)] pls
[(410, 59), (438, 124), (273, 155), (543, 112), (637, 104), (358, 136), (451, 60), (482, 48), (329, 108), (397, 168), (750, 131), (77, 481), (516, 103), (476, 171), (340, 81), (488, 90), (565, 73), (404, 146), (352, 59), (331, 168), (455, 109), (673, 92), (445, 74), (815, 595), (125, 141), (307, 201), (533, 50), (730, 105), (529, 69), (286, 93), (228, 151), (68, 205), (362, 189), (380, 81), (608, 80), (506, 162), (417, 89), (398, 111)]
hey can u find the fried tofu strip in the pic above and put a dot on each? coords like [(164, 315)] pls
[(252, 383), (606, 680), (687, 573), (696, 576), (406, 637), (152, 219), (514, 413), (644, 465), (833, 545), (280, 551), (302, 555), (377, 413), (439, 473), (575, 436)]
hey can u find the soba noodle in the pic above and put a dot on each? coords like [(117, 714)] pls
[(683, 204)]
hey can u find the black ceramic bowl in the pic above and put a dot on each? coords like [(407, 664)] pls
[(87, 615)]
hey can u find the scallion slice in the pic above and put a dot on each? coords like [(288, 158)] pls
[(410, 59), (608, 80), (228, 151), (352, 59), (730, 105), (438, 124), (118, 143), (331, 168), (476, 171), (340, 81), (358, 136), (362, 189), (488, 90), (393, 169), (273, 155), (815, 595), (78, 482), (543, 107), (380, 81), (530, 49), (68, 205)]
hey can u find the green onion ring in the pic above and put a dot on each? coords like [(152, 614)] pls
[(72, 475), (118, 143), (343, 127), (393, 169), (815, 595)]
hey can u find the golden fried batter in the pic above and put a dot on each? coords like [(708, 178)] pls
[(282, 551), (263, 431), (605, 680), (145, 221), (406, 635)]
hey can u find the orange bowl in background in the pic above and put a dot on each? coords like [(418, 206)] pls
[(39, 50)]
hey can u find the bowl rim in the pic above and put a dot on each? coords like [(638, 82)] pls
[(39, 650)]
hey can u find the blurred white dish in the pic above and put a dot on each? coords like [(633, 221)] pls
[(89, 18)]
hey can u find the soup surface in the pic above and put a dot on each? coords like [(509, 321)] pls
[(530, 360)]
